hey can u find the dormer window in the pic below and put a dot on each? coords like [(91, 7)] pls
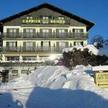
[(61, 18), (45, 18), (78, 30), (29, 17)]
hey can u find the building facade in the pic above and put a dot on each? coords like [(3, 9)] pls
[(38, 33)]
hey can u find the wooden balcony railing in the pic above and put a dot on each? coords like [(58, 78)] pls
[(32, 49), (46, 36)]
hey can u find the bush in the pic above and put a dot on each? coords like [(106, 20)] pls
[(78, 57)]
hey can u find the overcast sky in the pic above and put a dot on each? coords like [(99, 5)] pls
[(93, 10)]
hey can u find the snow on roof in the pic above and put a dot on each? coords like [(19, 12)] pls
[(100, 68)]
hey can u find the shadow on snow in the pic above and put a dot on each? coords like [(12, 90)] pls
[(6, 101), (64, 98)]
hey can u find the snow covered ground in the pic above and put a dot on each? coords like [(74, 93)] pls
[(54, 87)]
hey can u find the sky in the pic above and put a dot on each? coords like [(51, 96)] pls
[(95, 11)]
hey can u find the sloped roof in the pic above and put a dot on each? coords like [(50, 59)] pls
[(52, 7)]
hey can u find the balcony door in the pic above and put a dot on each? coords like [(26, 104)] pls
[(12, 32), (45, 45), (29, 33), (29, 46), (61, 45), (11, 46), (61, 33), (45, 33)]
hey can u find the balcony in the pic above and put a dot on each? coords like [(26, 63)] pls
[(11, 49), (46, 36), (32, 49)]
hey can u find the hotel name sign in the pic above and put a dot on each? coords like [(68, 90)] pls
[(37, 20), (101, 79)]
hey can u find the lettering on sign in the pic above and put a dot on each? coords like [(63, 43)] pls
[(101, 79), (36, 20)]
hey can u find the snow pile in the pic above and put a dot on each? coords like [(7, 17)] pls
[(59, 77), (100, 68), (92, 49), (71, 48), (21, 82), (56, 77), (54, 87)]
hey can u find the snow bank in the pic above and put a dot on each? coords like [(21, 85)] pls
[(100, 68), (54, 87), (57, 77)]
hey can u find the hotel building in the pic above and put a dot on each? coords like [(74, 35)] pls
[(38, 33)]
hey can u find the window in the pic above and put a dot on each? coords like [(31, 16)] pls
[(11, 44), (82, 43), (61, 18), (12, 58), (62, 44), (28, 45), (78, 30), (74, 43), (45, 20), (70, 44), (49, 44), (29, 32), (24, 71), (15, 73), (29, 58), (41, 43), (61, 32), (12, 32), (66, 44), (45, 44), (45, 32)]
